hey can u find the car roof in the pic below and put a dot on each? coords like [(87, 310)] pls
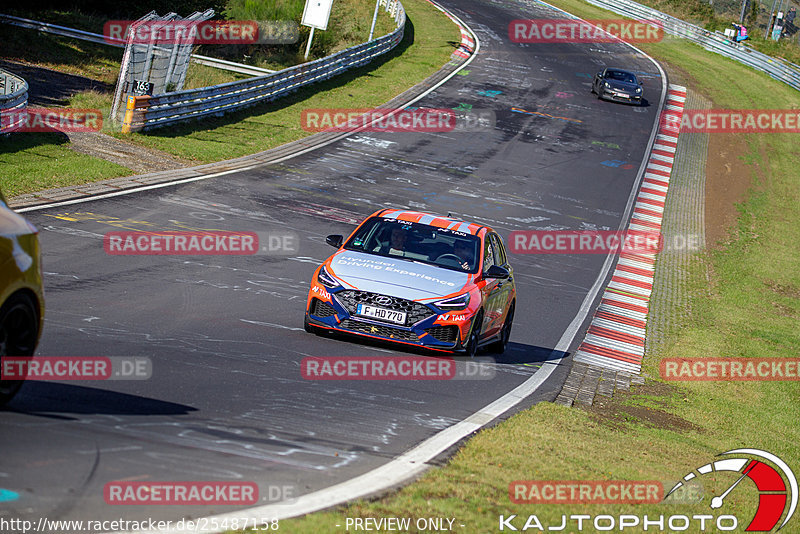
[(432, 219)]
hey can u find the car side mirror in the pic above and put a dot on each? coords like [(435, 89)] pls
[(495, 271), (334, 240)]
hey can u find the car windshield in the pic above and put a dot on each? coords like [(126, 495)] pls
[(620, 76), (450, 249)]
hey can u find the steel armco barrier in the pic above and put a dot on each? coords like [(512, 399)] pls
[(72, 33), (147, 112), (712, 41), (13, 99)]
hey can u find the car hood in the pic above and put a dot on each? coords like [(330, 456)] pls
[(622, 86), (395, 277)]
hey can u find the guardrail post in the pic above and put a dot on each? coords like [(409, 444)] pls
[(135, 113)]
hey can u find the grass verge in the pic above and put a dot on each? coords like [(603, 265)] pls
[(744, 302), (35, 161)]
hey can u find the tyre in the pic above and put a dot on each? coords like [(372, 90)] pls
[(19, 333), (471, 348), (501, 344)]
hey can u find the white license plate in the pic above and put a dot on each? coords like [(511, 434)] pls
[(381, 313)]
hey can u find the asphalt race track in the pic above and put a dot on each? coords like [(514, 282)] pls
[(226, 399)]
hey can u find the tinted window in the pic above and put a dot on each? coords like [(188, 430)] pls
[(488, 255), (499, 250), (441, 247)]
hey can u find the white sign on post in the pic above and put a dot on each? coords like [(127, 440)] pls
[(317, 13)]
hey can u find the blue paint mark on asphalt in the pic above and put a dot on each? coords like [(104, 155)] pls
[(616, 163), (8, 495)]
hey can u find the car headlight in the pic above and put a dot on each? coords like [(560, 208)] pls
[(453, 303), (325, 278), (638, 89), (607, 85)]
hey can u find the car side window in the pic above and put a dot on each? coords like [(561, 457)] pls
[(499, 250), (488, 254)]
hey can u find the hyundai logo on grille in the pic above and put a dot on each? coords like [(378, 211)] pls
[(383, 300)]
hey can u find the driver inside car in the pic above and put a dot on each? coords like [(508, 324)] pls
[(465, 253), (396, 246)]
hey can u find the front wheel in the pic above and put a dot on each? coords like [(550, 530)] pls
[(501, 344), (471, 348), (19, 332)]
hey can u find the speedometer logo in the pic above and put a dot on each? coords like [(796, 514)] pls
[(773, 493)]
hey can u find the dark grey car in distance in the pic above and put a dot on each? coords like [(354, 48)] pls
[(617, 84)]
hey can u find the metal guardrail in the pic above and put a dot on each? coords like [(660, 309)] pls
[(716, 42), (147, 112), (63, 31), (13, 100)]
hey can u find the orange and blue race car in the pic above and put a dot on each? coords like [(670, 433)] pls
[(419, 279)]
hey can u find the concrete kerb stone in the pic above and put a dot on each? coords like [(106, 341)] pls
[(683, 214)]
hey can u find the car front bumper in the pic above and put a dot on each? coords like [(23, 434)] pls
[(426, 325)]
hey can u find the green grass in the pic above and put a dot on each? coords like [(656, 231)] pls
[(661, 431), (35, 161)]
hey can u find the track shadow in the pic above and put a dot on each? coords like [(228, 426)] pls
[(49, 399), (49, 88), (19, 141), (515, 353)]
